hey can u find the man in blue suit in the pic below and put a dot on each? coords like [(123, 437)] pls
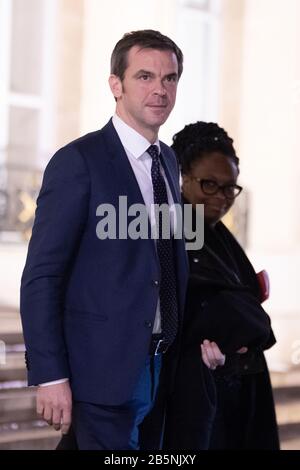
[(93, 309)]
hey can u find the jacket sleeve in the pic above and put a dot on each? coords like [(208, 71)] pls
[(62, 209)]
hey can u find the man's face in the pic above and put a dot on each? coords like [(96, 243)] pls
[(147, 94)]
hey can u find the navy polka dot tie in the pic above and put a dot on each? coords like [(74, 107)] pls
[(167, 293)]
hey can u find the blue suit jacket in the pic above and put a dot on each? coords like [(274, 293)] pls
[(88, 305)]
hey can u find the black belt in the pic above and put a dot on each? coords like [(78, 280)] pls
[(158, 345)]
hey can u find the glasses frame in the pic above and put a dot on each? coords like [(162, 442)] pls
[(219, 187)]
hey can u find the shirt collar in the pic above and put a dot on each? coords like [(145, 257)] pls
[(131, 140)]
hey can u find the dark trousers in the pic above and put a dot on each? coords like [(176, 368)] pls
[(99, 427)]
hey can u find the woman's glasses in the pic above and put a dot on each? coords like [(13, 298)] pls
[(211, 187)]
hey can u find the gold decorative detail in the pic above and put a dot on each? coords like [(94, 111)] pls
[(29, 206)]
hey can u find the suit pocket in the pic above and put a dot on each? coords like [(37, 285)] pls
[(74, 313)]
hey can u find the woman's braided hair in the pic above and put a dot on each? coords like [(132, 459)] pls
[(199, 139)]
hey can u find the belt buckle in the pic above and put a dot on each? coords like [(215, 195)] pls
[(156, 352)]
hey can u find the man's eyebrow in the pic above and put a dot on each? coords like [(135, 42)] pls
[(171, 75), (144, 72), (151, 74)]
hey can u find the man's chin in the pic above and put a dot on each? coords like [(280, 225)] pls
[(158, 115), (157, 121)]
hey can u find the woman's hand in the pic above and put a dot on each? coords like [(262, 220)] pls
[(211, 354)]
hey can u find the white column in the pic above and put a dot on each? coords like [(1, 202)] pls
[(47, 140), (5, 37)]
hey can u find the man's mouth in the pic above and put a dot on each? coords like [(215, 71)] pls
[(159, 106)]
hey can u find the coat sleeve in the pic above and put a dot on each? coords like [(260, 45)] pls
[(62, 209)]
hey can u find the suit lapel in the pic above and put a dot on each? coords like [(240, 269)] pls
[(126, 180)]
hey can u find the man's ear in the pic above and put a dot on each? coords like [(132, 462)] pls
[(115, 86)]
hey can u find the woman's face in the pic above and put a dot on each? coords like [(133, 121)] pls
[(218, 168)]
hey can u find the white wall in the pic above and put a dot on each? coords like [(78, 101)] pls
[(270, 117), (269, 150)]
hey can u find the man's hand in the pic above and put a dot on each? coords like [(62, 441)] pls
[(54, 405), (211, 354)]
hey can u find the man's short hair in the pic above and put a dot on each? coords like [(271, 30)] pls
[(146, 39)]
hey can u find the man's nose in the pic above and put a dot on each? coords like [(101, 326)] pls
[(159, 88)]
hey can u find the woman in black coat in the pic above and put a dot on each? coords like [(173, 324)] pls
[(223, 313)]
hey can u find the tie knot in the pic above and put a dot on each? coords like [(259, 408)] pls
[(153, 151)]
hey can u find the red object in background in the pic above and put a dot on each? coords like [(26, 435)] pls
[(264, 284)]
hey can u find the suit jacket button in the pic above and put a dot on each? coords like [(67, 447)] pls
[(155, 282), (196, 260), (204, 304), (148, 324)]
